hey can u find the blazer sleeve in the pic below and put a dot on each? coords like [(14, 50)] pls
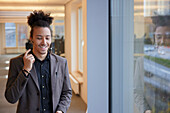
[(16, 82), (139, 98), (66, 94)]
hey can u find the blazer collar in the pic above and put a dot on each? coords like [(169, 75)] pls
[(34, 76), (54, 69), (53, 63)]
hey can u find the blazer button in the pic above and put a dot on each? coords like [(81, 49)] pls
[(37, 109), (37, 93)]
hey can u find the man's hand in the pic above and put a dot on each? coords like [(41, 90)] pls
[(28, 61), (59, 112), (148, 111)]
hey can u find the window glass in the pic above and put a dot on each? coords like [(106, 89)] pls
[(10, 34), (22, 34), (59, 38), (59, 30), (59, 21), (152, 56), (81, 43)]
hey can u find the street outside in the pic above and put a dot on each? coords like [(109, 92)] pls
[(157, 77)]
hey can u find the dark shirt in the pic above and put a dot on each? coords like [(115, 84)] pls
[(44, 79)]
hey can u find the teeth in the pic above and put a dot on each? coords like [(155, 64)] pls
[(43, 46)]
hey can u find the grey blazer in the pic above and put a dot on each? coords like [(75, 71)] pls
[(27, 90), (139, 97)]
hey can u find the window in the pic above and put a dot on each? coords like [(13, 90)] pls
[(10, 33), (22, 34), (16, 34), (59, 30), (80, 39), (58, 37), (152, 56)]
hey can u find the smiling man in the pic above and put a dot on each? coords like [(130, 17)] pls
[(38, 78)]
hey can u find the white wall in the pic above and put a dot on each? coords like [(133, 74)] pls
[(121, 55), (84, 85), (97, 56), (68, 35), (2, 38)]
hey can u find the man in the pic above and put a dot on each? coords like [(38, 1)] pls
[(160, 96), (39, 79), (162, 33)]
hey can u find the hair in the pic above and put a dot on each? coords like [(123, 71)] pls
[(161, 20), (39, 19)]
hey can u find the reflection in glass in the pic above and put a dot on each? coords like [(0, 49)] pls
[(152, 56)]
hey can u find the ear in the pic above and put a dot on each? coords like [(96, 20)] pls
[(31, 39)]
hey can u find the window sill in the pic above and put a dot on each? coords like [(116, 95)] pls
[(78, 76)]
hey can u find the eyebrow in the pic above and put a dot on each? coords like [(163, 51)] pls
[(158, 34), (42, 35), (167, 33)]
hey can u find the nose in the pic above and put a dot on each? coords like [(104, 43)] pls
[(43, 40), (162, 40)]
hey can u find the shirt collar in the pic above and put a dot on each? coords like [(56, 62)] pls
[(46, 58)]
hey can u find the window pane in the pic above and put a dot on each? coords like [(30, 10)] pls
[(22, 34), (10, 34), (59, 30), (80, 40), (59, 21), (59, 40), (152, 56)]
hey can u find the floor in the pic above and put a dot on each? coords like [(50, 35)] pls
[(77, 104)]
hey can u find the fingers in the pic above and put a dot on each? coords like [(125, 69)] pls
[(148, 111), (28, 60), (30, 57), (26, 53)]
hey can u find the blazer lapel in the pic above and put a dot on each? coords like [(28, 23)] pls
[(54, 69), (34, 77)]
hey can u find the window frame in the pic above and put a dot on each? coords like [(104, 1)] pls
[(121, 56), (16, 35)]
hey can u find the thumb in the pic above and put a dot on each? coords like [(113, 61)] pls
[(26, 53)]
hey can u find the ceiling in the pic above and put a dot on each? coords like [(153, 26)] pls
[(147, 8), (18, 10)]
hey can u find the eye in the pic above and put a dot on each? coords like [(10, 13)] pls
[(158, 37), (167, 36), (48, 38), (39, 38)]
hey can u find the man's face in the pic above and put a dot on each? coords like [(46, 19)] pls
[(162, 35), (41, 40)]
